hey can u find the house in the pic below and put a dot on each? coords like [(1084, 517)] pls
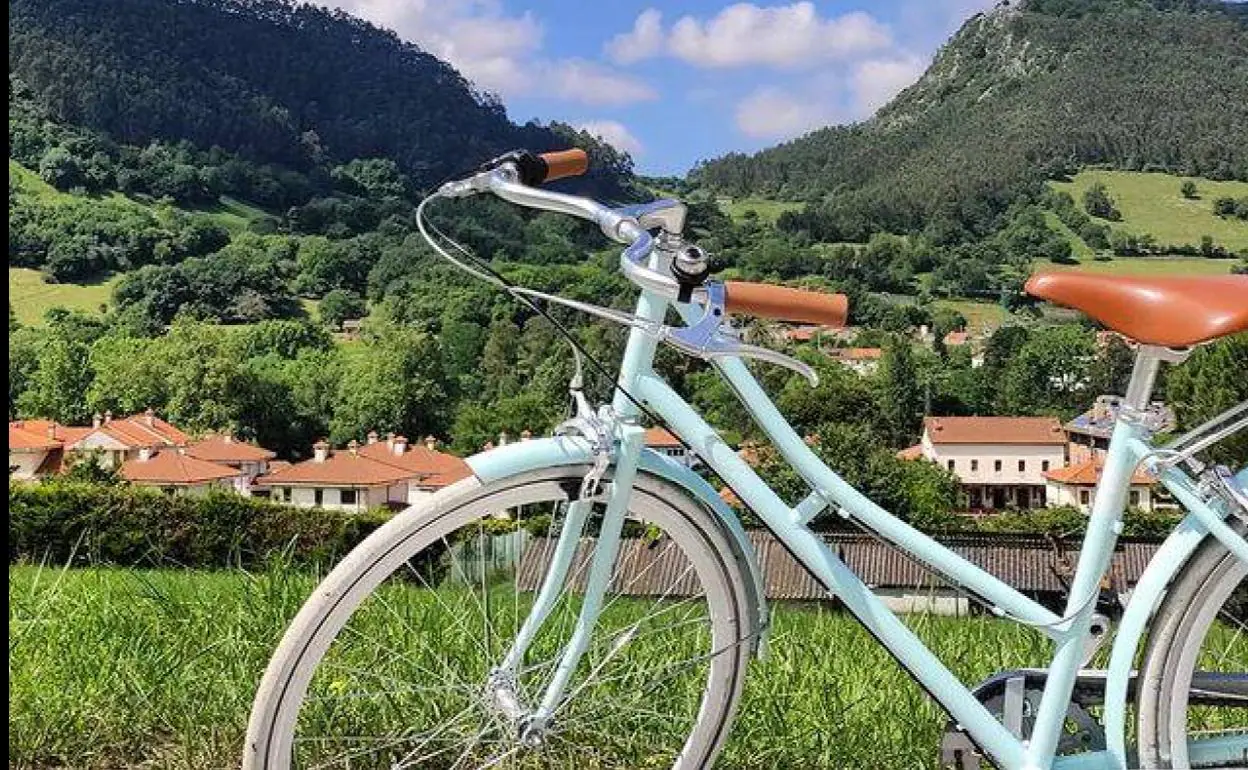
[(429, 470), (119, 440), (224, 449), (861, 360), (1089, 433), (1075, 485), (346, 480), (665, 443), (39, 448), (999, 461), (174, 471)]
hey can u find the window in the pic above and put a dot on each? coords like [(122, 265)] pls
[(1044, 465), (1022, 465), (1135, 499), (348, 496), (996, 465), (974, 465), (172, 490), (1084, 497), (286, 494), (949, 465), (318, 497)]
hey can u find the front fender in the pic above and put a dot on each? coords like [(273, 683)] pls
[(520, 457)]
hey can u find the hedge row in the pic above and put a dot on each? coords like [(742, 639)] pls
[(67, 521)]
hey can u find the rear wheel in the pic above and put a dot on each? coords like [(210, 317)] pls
[(391, 661), (1193, 684)]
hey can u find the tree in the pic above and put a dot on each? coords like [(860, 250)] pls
[(1188, 190), (1050, 374), (900, 394), (394, 384), (340, 305), (1209, 382), (1098, 203)]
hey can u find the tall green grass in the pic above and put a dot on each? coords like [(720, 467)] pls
[(122, 668)]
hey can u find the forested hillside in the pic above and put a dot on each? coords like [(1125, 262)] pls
[(270, 80), (1019, 95)]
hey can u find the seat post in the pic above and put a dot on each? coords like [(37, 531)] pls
[(1148, 360)]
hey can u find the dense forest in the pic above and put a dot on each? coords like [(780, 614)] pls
[(1020, 94)]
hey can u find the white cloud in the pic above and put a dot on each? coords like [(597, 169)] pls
[(745, 34), (613, 133), (644, 41), (583, 81), (770, 113), (498, 52), (875, 81)]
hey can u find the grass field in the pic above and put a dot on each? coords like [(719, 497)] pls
[(1151, 203), (31, 297), (981, 317), (767, 210), (111, 668)]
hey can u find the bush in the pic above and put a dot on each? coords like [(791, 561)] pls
[(59, 521)]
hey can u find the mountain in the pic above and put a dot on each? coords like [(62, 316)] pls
[(270, 80), (1018, 95)]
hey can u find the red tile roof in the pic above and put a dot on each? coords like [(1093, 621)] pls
[(856, 354), (1088, 474), (32, 434), (994, 430), (957, 338), (432, 469), (661, 437), (911, 452), (172, 467), (338, 469), (227, 449)]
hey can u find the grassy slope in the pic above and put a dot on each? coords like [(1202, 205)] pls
[(767, 210), (1151, 203), (32, 297), (1149, 266), (184, 651)]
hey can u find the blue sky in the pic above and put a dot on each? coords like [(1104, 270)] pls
[(676, 82)]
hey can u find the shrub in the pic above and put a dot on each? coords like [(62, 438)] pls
[(64, 520)]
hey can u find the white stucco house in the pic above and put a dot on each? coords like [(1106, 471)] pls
[(224, 449), (999, 461), (1076, 485), (176, 472)]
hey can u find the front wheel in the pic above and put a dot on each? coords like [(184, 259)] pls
[(391, 663)]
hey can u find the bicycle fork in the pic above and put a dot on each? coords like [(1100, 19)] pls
[(501, 690)]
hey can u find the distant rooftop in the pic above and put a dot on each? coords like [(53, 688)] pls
[(1099, 420), (994, 430)]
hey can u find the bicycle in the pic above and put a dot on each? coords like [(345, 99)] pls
[(641, 601)]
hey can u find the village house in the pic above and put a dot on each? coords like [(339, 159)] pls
[(224, 449), (1075, 485), (40, 448), (390, 473), (862, 360), (999, 461), (1089, 433), (665, 443), (175, 472)]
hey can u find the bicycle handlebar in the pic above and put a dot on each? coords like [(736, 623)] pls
[(507, 181)]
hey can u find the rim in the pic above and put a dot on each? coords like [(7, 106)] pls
[(1214, 639), (397, 671)]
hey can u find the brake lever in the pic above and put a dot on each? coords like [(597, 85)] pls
[(712, 338)]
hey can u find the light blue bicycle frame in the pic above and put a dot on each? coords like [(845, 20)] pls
[(1128, 448)]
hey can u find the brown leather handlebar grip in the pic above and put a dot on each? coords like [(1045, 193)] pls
[(564, 163), (781, 303)]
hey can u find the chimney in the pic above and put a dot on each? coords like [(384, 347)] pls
[(108, 417), (372, 437), (95, 420), (149, 417), (431, 443), (525, 435), (228, 437), (51, 430), (400, 444), (320, 451), (390, 440), (353, 446), (502, 438), (145, 454)]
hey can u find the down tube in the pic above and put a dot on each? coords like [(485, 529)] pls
[(811, 551)]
